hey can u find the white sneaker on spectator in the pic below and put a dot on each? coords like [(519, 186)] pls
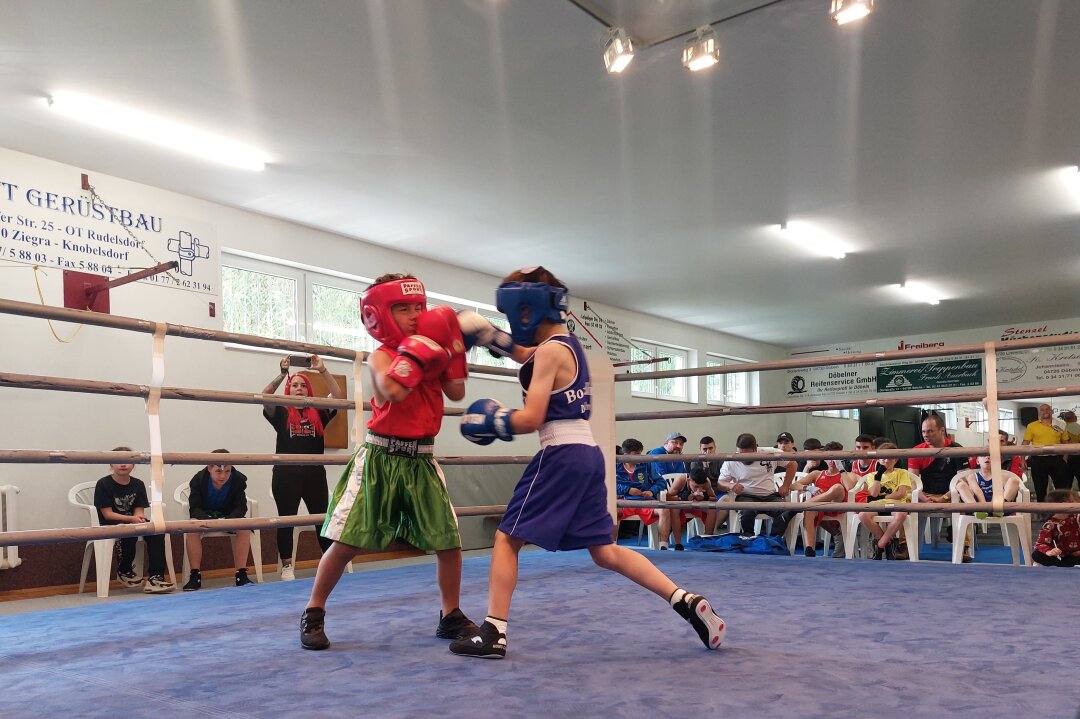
[(287, 573), (129, 579), (157, 584)]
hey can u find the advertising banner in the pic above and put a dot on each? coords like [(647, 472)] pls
[(53, 215)]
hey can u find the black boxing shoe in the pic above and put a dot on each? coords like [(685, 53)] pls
[(487, 643), (455, 625), (312, 635)]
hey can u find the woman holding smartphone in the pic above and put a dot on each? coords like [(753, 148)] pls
[(299, 431)]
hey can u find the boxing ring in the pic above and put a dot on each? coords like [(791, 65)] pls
[(805, 637)]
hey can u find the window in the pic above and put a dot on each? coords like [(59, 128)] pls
[(727, 389), (284, 301), (1007, 421), (259, 303), (480, 355), (335, 318), (673, 388), (947, 412)]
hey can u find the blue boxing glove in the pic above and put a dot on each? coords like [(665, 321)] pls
[(485, 421), (478, 330)]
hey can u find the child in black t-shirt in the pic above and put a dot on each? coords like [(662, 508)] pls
[(121, 499)]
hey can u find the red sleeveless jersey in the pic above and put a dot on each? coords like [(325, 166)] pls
[(858, 472), (418, 415)]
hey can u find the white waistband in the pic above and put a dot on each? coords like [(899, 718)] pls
[(566, 431)]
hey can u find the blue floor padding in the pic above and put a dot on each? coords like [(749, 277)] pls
[(806, 638)]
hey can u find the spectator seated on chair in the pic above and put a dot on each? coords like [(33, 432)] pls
[(889, 484), (752, 481), (1058, 544), (937, 473), (978, 486), (707, 445), (218, 492), (693, 488), (121, 499), (637, 481), (812, 444), (1014, 465), (830, 484), (860, 468), (672, 445)]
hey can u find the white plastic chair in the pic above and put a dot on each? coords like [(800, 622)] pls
[(794, 528), (1019, 523), (82, 495), (181, 497), (296, 538), (911, 522)]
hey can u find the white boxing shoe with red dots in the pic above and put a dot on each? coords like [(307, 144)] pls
[(696, 609)]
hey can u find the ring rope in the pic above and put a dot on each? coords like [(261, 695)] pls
[(123, 389), (965, 349), (197, 526), (1016, 394)]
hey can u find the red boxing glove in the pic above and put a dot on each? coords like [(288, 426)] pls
[(441, 325), (457, 369), (418, 358)]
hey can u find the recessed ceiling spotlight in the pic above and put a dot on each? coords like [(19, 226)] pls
[(702, 50), (918, 292), (845, 11), (809, 237), (618, 51), (156, 129)]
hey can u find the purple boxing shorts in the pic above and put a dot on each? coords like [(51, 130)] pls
[(560, 502)]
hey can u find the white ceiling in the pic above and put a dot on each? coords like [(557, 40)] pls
[(485, 133)]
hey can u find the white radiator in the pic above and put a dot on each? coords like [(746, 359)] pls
[(9, 556)]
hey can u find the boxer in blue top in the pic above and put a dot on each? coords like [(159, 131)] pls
[(560, 503)]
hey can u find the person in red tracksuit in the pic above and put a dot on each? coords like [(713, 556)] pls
[(1058, 544)]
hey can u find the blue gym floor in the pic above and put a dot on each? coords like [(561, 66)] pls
[(806, 638)]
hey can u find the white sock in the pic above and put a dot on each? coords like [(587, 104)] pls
[(676, 597), (499, 624)]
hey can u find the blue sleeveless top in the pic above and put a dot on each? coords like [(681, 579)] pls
[(574, 401)]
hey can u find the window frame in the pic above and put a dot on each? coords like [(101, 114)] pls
[(248, 264), (752, 379), (654, 346), (307, 276)]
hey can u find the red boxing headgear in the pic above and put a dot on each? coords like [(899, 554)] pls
[(376, 302)]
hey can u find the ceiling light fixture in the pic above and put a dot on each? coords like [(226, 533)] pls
[(158, 130), (702, 50), (618, 51), (918, 292), (845, 11), (811, 238)]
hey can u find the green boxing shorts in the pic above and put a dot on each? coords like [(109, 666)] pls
[(386, 493)]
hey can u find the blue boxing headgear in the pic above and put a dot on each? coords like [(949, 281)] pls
[(544, 302)]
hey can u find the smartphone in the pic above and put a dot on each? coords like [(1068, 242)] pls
[(299, 360)]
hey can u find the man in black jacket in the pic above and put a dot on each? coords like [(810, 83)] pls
[(218, 492)]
